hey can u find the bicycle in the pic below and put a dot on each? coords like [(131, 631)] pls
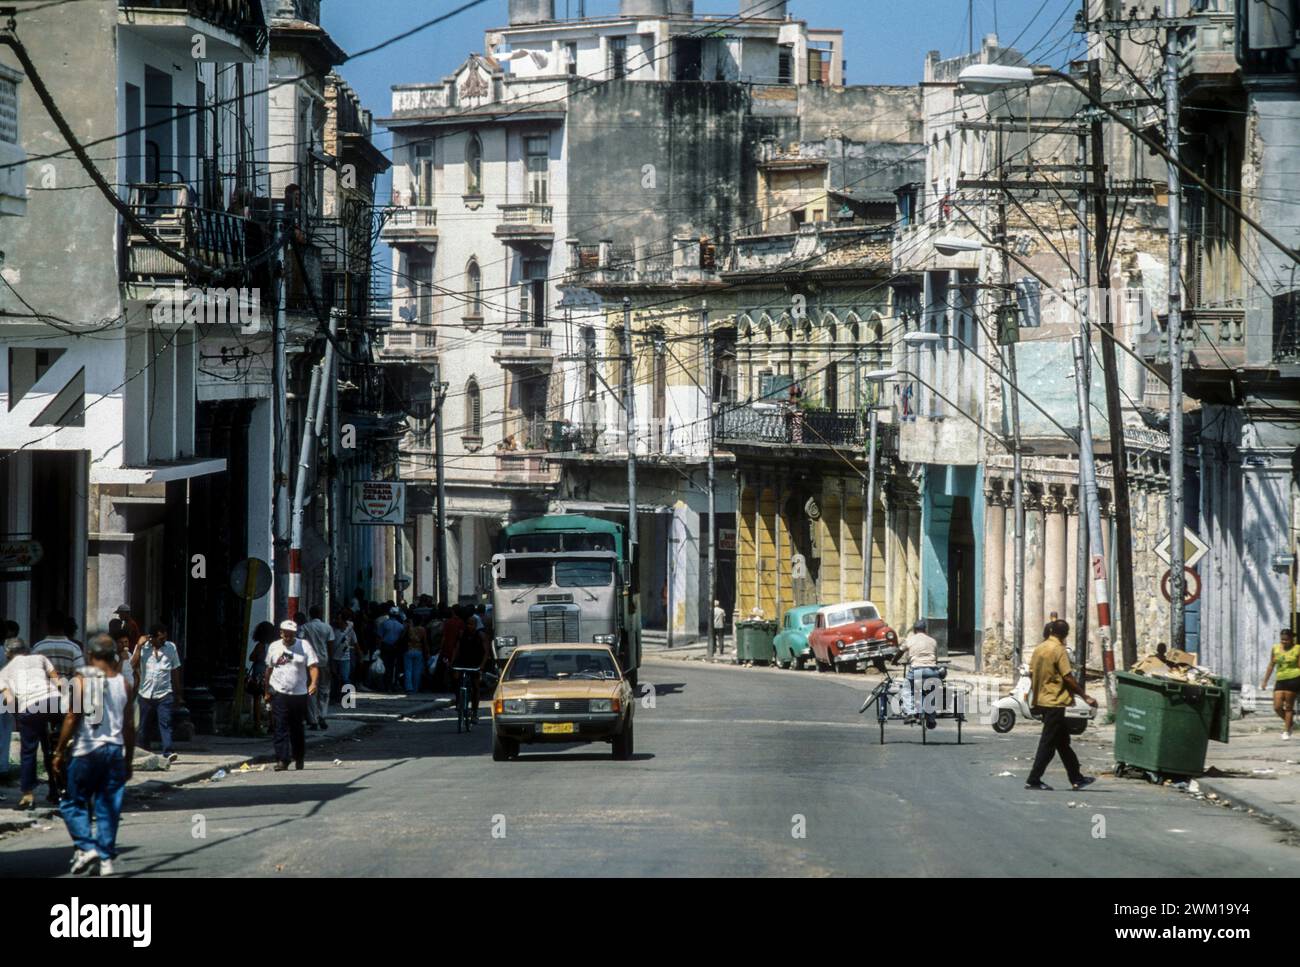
[(465, 715), (949, 699)]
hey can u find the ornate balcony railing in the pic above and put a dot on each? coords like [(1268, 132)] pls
[(783, 425), (241, 17), (215, 238)]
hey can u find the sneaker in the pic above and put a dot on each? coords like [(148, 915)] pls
[(105, 867), (1083, 781), (1041, 786), (27, 801), (1286, 735), (172, 757), (83, 860)]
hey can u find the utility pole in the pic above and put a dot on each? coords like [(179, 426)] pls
[(1177, 626), (713, 507), (1084, 389), (312, 416), (1114, 416), (629, 408), (1088, 472), (440, 394), (1017, 473), (280, 416)]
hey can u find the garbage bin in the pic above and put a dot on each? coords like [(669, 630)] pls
[(1164, 726), (754, 641)]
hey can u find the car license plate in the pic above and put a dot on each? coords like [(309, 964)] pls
[(557, 728)]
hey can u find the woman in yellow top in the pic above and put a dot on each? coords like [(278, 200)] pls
[(1286, 659)]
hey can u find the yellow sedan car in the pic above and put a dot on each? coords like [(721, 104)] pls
[(561, 693)]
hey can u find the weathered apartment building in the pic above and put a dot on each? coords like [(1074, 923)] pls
[(572, 164), (149, 439), (1239, 73)]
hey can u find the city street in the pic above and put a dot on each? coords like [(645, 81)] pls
[(727, 762)]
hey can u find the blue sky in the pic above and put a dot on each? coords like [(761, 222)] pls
[(885, 40)]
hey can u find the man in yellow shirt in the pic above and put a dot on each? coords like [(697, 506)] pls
[(1052, 687)]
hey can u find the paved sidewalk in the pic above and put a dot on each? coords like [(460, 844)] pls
[(202, 758)]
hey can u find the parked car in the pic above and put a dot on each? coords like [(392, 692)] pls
[(845, 637), (791, 642), (562, 693)]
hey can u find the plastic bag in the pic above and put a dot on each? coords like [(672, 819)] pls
[(376, 673)]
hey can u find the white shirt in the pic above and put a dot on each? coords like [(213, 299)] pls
[(289, 664), (103, 703), (27, 677), (156, 667)]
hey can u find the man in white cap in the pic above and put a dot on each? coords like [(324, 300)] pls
[(292, 675)]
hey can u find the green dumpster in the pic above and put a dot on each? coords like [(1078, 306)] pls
[(754, 641), (1164, 726)]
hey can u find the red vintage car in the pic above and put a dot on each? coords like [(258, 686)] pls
[(848, 636)]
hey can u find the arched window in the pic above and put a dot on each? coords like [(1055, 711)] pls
[(473, 165), (474, 288), (473, 409)]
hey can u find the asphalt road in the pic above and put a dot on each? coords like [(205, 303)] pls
[(737, 772)]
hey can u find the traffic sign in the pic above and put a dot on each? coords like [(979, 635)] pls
[(1191, 585), (1193, 549), (250, 578)]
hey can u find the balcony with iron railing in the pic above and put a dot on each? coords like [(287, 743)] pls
[(783, 425), (526, 222), (232, 29), (214, 238), (525, 346), (523, 460), (411, 225)]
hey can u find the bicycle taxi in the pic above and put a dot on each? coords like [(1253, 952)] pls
[(936, 699)]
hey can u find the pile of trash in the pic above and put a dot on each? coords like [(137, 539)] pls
[(1181, 666)]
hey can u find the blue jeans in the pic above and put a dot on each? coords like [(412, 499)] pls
[(916, 677), (414, 669), (96, 780), (34, 735), (6, 740), (157, 711)]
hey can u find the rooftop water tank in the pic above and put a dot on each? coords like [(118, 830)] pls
[(644, 8), (763, 9), (524, 12)]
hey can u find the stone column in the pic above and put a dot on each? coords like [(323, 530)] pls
[(684, 573), (995, 523), (902, 525), (912, 610), (1055, 551), (1071, 504), (1035, 559)]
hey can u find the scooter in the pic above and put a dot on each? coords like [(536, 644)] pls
[(1005, 709)]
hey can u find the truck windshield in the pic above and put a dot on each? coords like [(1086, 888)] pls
[(526, 573), (584, 573)]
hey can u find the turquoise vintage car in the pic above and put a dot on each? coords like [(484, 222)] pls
[(791, 642)]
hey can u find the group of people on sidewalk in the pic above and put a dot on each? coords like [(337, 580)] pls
[(299, 668), (77, 705)]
